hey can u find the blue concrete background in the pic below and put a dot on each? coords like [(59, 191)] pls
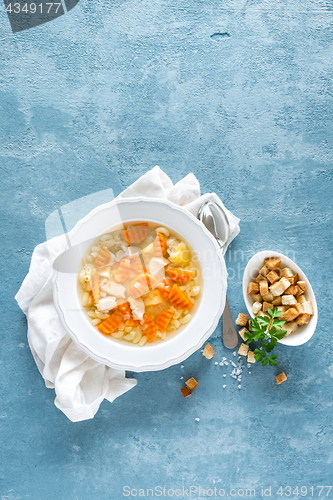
[(241, 94)]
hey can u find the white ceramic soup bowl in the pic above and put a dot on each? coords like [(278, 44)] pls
[(122, 354), (304, 332)]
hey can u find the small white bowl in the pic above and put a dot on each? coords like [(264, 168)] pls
[(175, 349), (304, 332)]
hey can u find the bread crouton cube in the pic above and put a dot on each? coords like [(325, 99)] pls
[(308, 308), (290, 314), (243, 350), (302, 285), (301, 299), (299, 291), (242, 319), (279, 287), (186, 391), (303, 319), (252, 288), (257, 297), (264, 270), (259, 278), (208, 351), (266, 306), (298, 307), (192, 383), (273, 277), (277, 301), (289, 328), (263, 287), (272, 262), (288, 300), (293, 280), (268, 297), (256, 307), (281, 308), (281, 378), (292, 290), (241, 333), (250, 357), (286, 272)]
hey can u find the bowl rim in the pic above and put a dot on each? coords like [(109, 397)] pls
[(213, 323), (311, 326)]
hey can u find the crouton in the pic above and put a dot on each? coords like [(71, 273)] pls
[(256, 307), (242, 319), (264, 270), (299, 291), (292, 290), (186, 391), (259, 278), (308, 308), (272, 276), (281, 308), (208, 351), (293, 279), (298, 307), (241, 333), (281, 378), (252, 288), (250, 357), (192, 383), (302, 286), (268, 297), (288, 300), (279, 287), (301, 299), (286, 272), (263, 287), (272, 262), (290, 314), (277, 301), (303, 319), (266, 306), (290, 328), (257, 297), (243, 350)]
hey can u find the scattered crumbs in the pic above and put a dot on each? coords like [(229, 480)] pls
[(224, 386), (226, 363), (182, 366), (234, 353), (239, 387), (197, 419), (234, 364), (201, 350), (239, 378), (216, 362), (181, 378), (224, 375)]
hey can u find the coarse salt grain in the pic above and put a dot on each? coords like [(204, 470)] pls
[(182, 366), (197, 419), (249, 365), (234, 353), (250, 373), (224, 386), (181, 378), (224, 375), (216, 362), (221, 364), (239, 386)]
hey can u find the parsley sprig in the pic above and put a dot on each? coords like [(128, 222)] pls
[(268, 331)]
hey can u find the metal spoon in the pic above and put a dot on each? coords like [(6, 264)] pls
[(215, 219)]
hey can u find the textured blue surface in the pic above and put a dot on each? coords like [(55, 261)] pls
[(240, 93)]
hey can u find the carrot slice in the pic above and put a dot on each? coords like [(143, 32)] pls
[(149, 327), (126, 310), (134, 234), (178, 298), (164, 318), (103, 258), (95, 289), (159, 245), (165, 287), (123, 270), (112, 323), (142, 284), (178, 274)]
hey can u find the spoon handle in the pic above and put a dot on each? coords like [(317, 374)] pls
[(230, 336)]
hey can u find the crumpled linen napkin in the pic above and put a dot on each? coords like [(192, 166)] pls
[(81, 383)]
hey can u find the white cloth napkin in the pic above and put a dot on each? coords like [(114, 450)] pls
[(81, 383)]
